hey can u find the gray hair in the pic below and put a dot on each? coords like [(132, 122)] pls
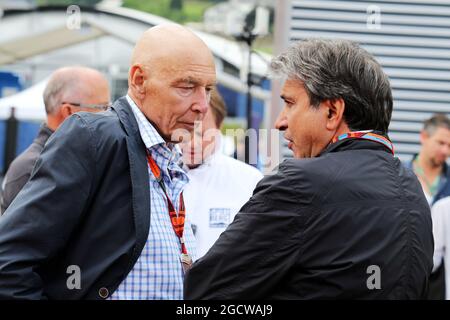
[(65, 84), (334, 69)]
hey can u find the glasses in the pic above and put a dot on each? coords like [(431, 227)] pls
[(90, 106)]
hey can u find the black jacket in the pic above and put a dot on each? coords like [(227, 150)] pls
[(320, 227), (86, 204), (20, 169)]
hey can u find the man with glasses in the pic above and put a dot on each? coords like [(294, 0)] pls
[(69, 90)]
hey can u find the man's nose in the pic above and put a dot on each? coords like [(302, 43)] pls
[(281, 122), (201, 102)]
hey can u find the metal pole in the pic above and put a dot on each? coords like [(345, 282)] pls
[(11, 139), (249, 87), (249, 104), (248, 37)]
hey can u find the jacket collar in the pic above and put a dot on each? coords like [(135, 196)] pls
[(44, 133), (355, 144), (126, 117), (139, 182)]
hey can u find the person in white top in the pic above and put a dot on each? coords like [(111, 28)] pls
[(440, 214), (433, 173), (219, 185)]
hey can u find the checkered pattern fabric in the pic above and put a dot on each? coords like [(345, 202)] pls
[(158, 273)]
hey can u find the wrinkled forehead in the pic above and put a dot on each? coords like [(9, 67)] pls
[(195, 75), (185, 72), (178, 50)]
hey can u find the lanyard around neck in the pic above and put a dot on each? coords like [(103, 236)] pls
[(177, 220), (366, 135)]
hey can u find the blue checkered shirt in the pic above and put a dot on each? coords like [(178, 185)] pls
[(158, 273)]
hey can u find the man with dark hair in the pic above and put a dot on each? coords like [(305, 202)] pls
[(429, 165), (69, 90), (343, 219), (218, 184), (432, 171)]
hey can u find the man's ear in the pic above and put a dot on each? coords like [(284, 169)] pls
[(137, 80), (423, 136), (335, 112), (66, 110)]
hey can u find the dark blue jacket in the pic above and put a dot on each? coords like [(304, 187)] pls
[(20, 169), (87, 204)]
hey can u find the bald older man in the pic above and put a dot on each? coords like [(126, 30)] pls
[(69, 90), (102, 216)]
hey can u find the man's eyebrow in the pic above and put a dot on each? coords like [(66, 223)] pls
[(192, 81), (188, 80)]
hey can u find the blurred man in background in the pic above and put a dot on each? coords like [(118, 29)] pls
[(432, 171), (69, 90), (430, 164), (218, 184)]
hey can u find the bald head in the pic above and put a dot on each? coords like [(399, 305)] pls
[(74, 89), (171, 75), (167, 42), (77, 85)]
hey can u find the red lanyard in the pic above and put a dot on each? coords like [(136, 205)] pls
[(366, 135), (177, 220)]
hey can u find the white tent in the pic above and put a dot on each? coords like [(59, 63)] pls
[(29, 103)]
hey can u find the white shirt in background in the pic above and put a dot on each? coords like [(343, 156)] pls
[(216, 191), (440, 213)]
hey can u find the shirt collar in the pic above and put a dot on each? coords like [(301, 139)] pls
[(151, 137)]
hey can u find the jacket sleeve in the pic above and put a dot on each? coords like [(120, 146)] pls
[(39, 221), (12, 187), (11, 190), (258, 248)]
